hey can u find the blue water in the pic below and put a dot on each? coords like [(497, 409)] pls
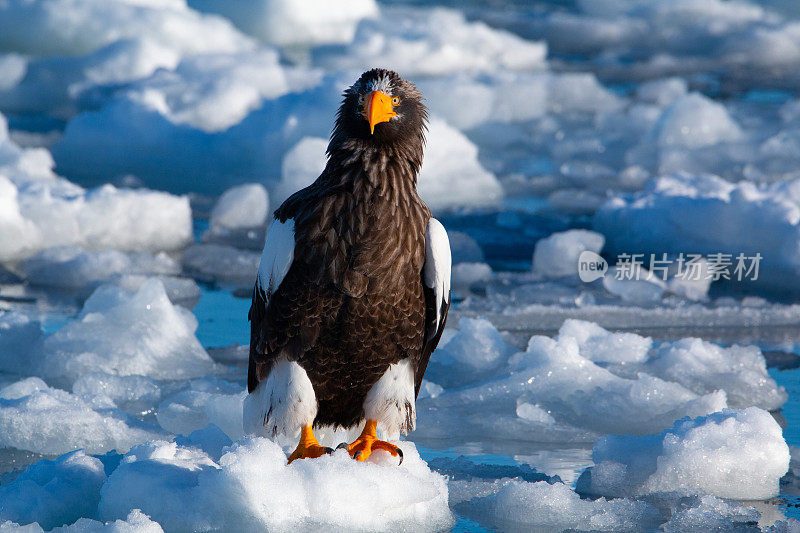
[(222, 318)]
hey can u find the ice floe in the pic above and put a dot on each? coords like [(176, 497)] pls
[(54, 493), (585, 382), (124, 333), (242, 207), (558, 254), (292, 23), (205, 401), (434, 42), (520, 506), (552, 392), (183, 489), (41, 210), (50, 421), (681, 213), (730, 454), (94, 23), (72, 267)]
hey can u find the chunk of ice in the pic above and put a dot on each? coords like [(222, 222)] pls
[(729, 454)]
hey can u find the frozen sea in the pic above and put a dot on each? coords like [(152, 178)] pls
[(619, 181)]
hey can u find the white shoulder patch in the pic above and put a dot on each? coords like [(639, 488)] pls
[(437, 264), (277, 257)]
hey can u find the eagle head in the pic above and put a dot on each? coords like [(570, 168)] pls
[(382, 108)]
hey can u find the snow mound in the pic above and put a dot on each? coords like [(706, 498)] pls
[(72, 267), (585, 382), (434, 42), (465, 274), (520, 506), (451, 174), (712, 514), (123, 333), (729, 454), (745, 41), (700, 366), (555, 391), (294, 23), (183, 489), (681, 213), (54, 493), (467, 101), (557, 255), (217, 262), (51, 421), (213, 92), (476, 351), (600, 345), (300, 167), (135, 395), (703, 367), (242, 207), (134, 136), (38, 210), (693, 121), (205, 401), (107, 217)]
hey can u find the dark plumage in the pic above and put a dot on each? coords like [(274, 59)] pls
[(353, 301)]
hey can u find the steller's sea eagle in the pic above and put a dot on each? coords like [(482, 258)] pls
[(353, 287)]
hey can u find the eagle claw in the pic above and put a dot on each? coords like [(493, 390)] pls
[(367, 442)]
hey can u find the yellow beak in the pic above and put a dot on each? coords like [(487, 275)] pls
[(377, 108)]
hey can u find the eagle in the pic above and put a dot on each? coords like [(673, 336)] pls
[(353, 287)]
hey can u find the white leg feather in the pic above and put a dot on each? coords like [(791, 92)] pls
[(391, 400), (282, 403)]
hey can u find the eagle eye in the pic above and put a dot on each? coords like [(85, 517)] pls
[(396, 101), (361, 99)]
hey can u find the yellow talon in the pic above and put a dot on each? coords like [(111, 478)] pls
[(308, 447), (361, 448)]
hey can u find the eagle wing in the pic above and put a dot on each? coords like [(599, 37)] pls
[(436, 286), (276, 260)]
